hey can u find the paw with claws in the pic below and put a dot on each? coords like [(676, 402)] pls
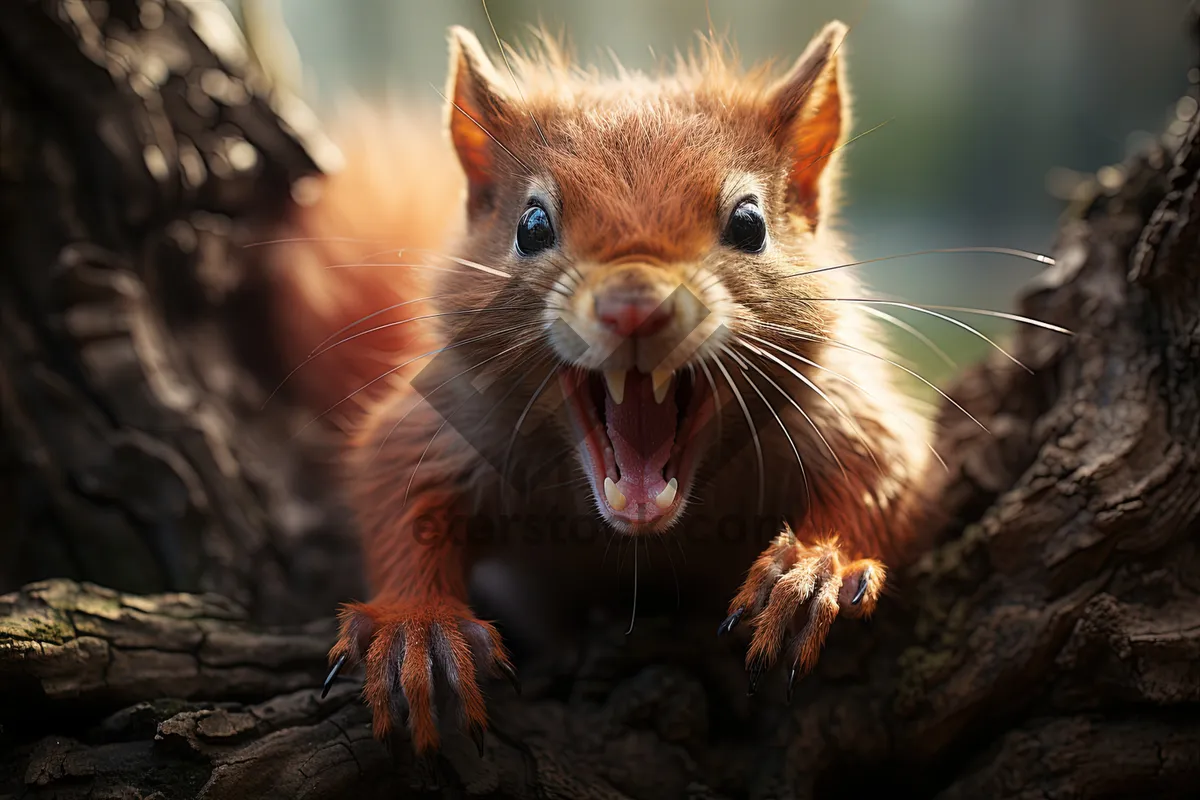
[(424, 660), (791, 597)]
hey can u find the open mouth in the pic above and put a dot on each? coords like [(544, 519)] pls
[(639, 436)]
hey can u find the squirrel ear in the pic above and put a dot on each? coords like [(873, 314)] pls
[(477, 111), (811, 118)]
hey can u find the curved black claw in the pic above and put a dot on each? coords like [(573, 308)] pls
[(477, 737), (791, 684), (731, 621), (755, 676), (333, 673), (863, 582), (511, 674)]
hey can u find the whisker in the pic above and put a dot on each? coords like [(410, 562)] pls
[(488, 133), (301, 239), (397, 323), (858, 432), (1003, 251), (846, 380), (521, 421), (376, 329), (911, 330), (633, 613), (446, 421), (472, 264), (787, 434), (988, 312), (926, 310), (425, 397), (393, 264), (845, 144), (372, 315), (512, 74), (712, 385), (792, 332), (398, 367), (750, 424), (428, 445)]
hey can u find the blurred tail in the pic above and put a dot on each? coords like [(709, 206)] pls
[(350, 269)]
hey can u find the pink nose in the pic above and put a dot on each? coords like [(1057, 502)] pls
[(628, 313)]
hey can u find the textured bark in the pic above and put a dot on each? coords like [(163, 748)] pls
[(134, 165), (1048, 646)]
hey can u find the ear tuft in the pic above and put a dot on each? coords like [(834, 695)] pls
[(477, 114), (810, 116)]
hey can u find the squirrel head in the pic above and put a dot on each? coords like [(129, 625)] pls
[(649, 220)]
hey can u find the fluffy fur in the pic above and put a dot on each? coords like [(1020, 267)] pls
[(640, 173)]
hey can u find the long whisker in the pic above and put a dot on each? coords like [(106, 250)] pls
[(387, 325), (446, 421), (1004, 251), (787, 434), (840, 377), (521, 421), (425, 397), (512, 74), (793, 333), (369, 257), (398, 367), (912, 331), (392, 264), (472, 264), (571, 273), (372, 315), (300, 239), (633, 613), (858, 432), (845, 144), (803, 413), (712, 385), (750, 424), (986, 312), (924, 310), (428, 445), (499, 144)]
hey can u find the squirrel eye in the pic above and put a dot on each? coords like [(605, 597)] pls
[(534, 231), (746, 229)]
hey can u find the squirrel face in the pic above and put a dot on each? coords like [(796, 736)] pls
[(645, 219)]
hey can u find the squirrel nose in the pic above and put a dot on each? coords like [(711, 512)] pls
[(631, 313)]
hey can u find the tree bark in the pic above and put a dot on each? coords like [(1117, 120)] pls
[(1048, 646)]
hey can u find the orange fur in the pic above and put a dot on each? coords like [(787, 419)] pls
[(639, 171)]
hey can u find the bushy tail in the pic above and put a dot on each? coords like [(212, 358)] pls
[(346, 310)]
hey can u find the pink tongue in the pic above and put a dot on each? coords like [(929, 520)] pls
[(642, 433)]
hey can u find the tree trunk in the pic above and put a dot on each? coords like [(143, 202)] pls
[(1049, 646)]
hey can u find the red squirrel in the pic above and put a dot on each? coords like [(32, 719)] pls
[(624, 277)]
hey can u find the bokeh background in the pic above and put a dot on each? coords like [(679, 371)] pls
[(993, 108)]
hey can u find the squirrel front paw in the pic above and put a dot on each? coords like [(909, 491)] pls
[(792, 595), (411, 647)]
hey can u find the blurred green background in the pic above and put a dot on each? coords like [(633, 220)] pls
[(991, 107)]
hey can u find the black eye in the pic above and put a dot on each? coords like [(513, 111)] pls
[(746, 229), (534, 231)]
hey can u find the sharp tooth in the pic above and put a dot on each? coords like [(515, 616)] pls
[(667, 495), (613, 495), (615, 378), (661, 379)]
